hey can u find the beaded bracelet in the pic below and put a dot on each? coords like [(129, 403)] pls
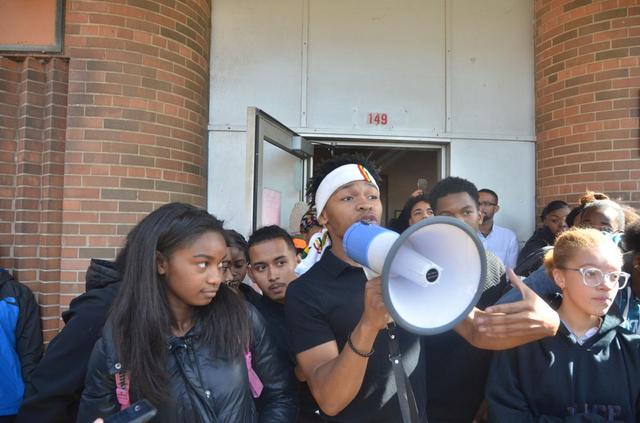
[(355, 350)]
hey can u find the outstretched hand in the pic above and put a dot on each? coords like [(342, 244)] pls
[(530, 318)]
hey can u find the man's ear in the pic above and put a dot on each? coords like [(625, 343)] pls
[(322, 219), (497, 208), (162, 264)]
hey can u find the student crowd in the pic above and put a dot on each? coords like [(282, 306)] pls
[(308, 338)]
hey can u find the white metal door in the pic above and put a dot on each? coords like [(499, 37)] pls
[(281, 167)]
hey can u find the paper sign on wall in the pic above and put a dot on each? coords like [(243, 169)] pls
[(271, 204)]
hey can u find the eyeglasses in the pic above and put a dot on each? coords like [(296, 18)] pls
[(487, 203), (594, 277)]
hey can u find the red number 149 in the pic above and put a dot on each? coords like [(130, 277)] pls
[(378, 119)]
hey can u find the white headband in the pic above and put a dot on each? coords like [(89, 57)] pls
[(337, 178)]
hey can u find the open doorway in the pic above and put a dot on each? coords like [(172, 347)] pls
[(399, 167)]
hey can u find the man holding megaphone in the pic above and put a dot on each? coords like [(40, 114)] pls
[(339, 323)]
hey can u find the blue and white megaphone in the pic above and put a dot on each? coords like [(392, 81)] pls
[(432, 274)]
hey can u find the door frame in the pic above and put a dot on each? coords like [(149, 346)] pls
[(442, 148), (263, 127)]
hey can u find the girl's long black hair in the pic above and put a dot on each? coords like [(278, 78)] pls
[(140, 317)]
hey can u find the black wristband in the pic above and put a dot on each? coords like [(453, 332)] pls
[(355, 350)]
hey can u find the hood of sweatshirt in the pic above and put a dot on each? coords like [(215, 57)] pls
[(100, 274), (4, 276), (544, 234), (605, 335)]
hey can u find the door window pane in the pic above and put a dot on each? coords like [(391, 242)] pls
[(282, 184)]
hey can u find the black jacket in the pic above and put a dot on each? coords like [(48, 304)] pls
[(274, 317), (532, 254), (20, 340), (558, 380), (202, 387), (456, 370), (58, 380)]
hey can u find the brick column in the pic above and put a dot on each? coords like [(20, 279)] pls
[(94, 139), (33, 98), (587, 58), (137, 120)]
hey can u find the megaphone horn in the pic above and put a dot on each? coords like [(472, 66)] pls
[(373, 244), (432, 273)]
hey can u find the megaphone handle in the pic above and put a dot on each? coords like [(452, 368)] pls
[(406, 398)]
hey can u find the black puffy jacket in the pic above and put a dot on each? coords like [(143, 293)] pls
[(202, 387)]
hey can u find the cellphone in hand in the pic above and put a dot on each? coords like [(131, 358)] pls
[(139, 412), (423, 185)]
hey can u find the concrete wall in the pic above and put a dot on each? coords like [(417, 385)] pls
[(457, 72)]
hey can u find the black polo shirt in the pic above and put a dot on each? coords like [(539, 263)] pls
[(325, 304)]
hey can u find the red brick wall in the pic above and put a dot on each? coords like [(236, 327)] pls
[(33, 98), (97, 138), (137, 119), (587, 58)]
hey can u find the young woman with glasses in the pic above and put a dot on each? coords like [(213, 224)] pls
[(589, 370)]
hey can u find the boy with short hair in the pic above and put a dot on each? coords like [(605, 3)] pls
[(457, 391), (272, 264)]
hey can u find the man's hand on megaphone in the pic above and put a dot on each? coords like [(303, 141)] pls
[(375, 313), (531, 318)]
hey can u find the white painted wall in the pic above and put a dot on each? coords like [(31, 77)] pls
[(455, 71), (491, 72), (255, 60), (227, 195), (376, 56), (505, 167)]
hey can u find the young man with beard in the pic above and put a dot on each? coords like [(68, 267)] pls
[(272, 264), (500, 241), (338, 319)]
